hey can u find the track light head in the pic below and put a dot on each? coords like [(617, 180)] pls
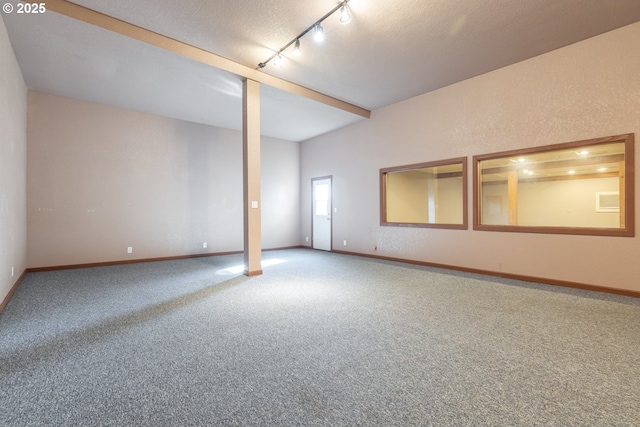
[(345, 14), (296, 48), (277, 61), (318, 33)]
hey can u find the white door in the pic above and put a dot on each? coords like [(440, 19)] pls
[(321, 226)]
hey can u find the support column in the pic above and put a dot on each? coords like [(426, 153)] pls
[(251, 177)]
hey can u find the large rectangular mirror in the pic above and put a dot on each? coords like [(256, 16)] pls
[(432, 194), (583, 187)]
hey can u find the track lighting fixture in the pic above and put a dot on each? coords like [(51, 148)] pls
[(277, 61), (296, 48), (345, 14), (318, 33)]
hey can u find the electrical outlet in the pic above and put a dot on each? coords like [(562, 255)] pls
[(204, 245), (12, 273), (306, 239), (129, 250), (344, 243)]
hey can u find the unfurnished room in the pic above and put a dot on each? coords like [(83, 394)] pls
[(319, 213)]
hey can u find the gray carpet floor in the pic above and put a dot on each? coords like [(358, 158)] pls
[(320, 339)]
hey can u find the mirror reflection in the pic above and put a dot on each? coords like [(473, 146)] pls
[(427, 194), (577, 186)]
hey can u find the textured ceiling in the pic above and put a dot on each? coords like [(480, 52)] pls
[(390, 51)]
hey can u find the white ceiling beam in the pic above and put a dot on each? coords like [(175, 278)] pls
[(126, 29)]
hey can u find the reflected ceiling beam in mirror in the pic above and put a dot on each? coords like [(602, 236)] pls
[(126, 29), (598, 160)]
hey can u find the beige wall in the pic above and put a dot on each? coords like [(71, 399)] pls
[(449, 201), (418, 197), (13, 168), (407, 198), (101, 179), (587, 90), (564, 203)]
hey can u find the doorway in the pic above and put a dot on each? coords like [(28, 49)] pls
[(321, 213)]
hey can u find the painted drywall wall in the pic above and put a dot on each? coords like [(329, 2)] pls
[(102, 179), (418, 197), (280, 191), (586, 90), (449, 206), (13, 168), (565, 203), (407, 197)]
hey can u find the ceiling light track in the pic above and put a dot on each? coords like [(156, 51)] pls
[(345, 17), (109, 23)]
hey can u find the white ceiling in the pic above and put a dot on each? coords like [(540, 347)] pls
[(390, 51)]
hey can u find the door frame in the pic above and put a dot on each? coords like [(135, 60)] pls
[(322, 178)]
